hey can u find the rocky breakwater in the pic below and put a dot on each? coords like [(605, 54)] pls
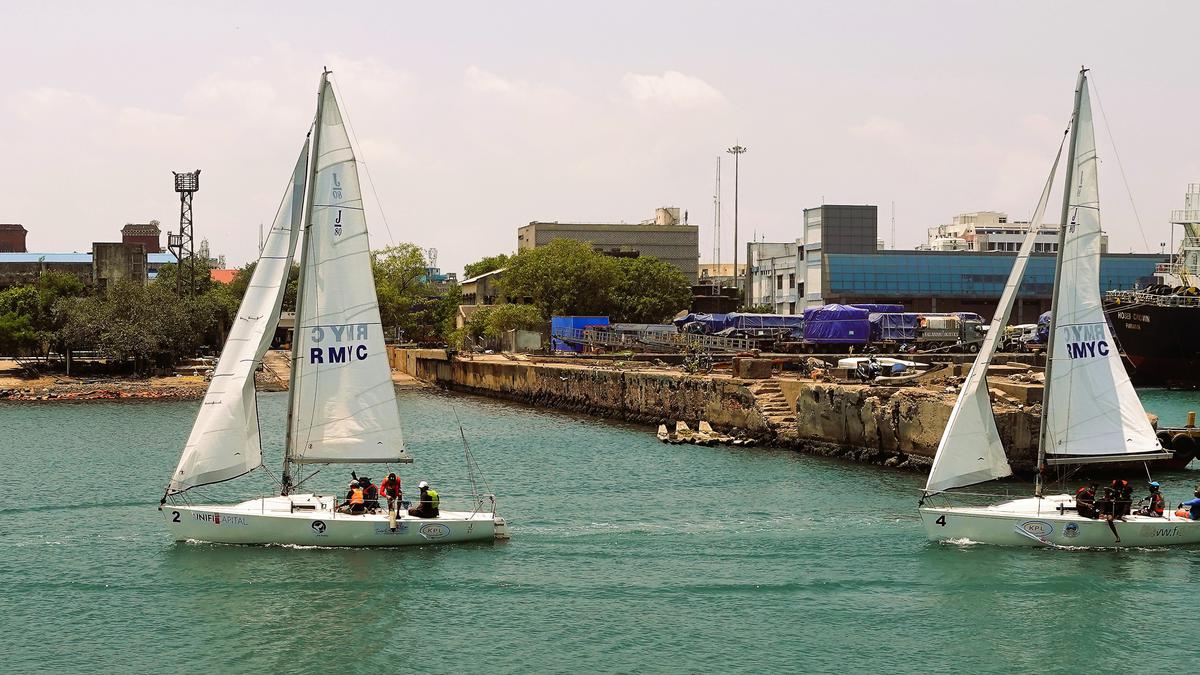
[(634, 392), (894, 426)]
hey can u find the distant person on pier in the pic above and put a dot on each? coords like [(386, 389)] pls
[(1193, 505), (1085, 501), (1155, 502), (390, 487), (428, 506)]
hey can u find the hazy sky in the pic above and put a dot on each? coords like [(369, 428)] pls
[(476, 118)]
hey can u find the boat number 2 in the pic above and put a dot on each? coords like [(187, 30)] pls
[(941, 521), (174, 516)]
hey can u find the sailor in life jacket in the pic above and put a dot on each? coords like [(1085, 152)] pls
[(354, 499), (1155, 502), (1085, 500), (391, 488), (428, 506)]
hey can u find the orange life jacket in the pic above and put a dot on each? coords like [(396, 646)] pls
[(356, 496)]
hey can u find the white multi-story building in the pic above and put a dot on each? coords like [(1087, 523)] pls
[(777, 275), (984, 231)]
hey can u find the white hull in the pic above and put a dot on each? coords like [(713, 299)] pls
[(1040, 522), (309, 520)]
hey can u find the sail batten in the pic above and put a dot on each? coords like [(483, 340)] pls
[(224, 442), (343, 403)]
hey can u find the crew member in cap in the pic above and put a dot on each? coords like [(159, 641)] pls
[(354, 499), (428, 506), (1155, 503)]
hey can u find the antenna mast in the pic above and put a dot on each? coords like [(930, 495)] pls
[(893, 225), (717, 224)]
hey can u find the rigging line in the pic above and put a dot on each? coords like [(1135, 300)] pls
[(360, 160), (1120, 166)]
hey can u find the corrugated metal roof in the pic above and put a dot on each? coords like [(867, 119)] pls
[(152, 258), (48, 257)]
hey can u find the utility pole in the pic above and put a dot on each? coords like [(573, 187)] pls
[(737, 151)]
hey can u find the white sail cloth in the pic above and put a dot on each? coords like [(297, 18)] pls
[(1092, 408), (224, 442), (344, 403), (970, 450)]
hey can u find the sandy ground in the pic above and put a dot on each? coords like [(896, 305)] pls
[(56, 386)]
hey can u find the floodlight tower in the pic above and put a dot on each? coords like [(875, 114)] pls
[(187, 183)]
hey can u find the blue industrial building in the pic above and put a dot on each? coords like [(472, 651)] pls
[(841, 260), (954, 281)]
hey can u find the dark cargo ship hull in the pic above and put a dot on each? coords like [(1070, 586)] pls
[(1162, 344)]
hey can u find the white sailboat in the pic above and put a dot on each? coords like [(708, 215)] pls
[(341, 402), (1091, 413)]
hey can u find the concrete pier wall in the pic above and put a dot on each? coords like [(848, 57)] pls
[(885, 425)]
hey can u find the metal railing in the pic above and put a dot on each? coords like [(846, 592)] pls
[(1134, 298)]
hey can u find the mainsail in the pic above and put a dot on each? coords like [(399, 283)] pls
[(343, 400), (224, 442), (1092, 410), (970, 450)]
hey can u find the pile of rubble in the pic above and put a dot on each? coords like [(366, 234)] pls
[(703, 435)]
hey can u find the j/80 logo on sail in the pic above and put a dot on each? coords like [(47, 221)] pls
[(1085, 341), (345, 350)]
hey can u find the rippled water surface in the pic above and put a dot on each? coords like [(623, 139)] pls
[(627, 555)]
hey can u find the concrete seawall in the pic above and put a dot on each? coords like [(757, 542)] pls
[(882, 425)]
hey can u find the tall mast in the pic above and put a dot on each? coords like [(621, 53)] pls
[(1058, 263), (314, 154)]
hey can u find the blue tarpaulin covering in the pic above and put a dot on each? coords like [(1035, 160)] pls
[(751, 322), (894, 326), (880, 308), (567, 325), (1043, 328), (702, 323), (836, 324)]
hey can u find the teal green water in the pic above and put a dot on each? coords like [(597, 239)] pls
[(627, 555)]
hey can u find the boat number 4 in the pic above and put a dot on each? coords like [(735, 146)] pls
[(941, 521)]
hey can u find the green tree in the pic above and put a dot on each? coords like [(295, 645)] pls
[(400, 283), (648, 290), (564, 277), (758, 309), (488, 264), (16, 333), (168, 274)]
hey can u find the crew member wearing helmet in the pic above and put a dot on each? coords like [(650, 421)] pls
[(1155, 503), (428, 506)]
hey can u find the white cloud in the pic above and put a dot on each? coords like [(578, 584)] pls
[(483, 81), (882, 129), (672, 88)]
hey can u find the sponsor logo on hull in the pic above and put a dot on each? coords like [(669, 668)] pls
[(220, 519), (1038, 528), (435, 530)]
